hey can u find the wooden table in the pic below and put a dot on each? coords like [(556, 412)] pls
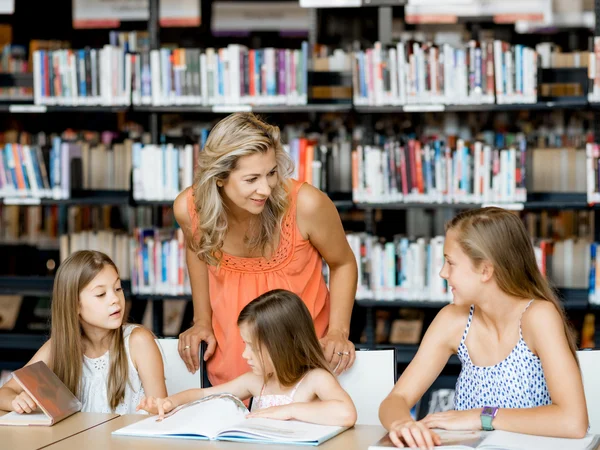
[(33, 438), (100, 438)]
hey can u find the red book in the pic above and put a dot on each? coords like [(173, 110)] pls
[(303, 142), (251, 64), (419, 167)]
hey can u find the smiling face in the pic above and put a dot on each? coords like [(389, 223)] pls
[(463, 278), (102, 302), (249, 185), (252, 355)]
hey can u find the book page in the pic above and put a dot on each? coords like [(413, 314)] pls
[(36, 418), (450, 440), (280, 431), (516, 441), (202, 418)]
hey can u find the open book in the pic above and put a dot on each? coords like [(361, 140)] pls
[(500, 440), (223, 417)]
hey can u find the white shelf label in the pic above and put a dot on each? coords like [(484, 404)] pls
[(22, 201), (330, 3), (231, 108), (110, 13), (27, 108), (423, 108), (508, 206), (7, 6), (258, 16)]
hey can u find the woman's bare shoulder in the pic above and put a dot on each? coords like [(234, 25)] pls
[(311, 201), (181, 210)]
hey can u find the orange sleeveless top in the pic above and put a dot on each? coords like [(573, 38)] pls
[(296, 266)]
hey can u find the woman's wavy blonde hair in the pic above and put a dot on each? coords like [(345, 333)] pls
[(236, 136)]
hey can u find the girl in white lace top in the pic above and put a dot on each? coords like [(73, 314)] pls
[(108, 365)]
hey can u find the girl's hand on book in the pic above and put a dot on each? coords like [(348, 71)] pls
[(23, 404), (413, 434), (274, 412), (155, 405), (454, 420)]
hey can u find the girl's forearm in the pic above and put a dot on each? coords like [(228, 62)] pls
[(187, 396), (328, 412), (550, 420), (394, 409)]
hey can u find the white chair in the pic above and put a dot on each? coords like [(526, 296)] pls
[(589, 361), (177, 377), (369, 381)]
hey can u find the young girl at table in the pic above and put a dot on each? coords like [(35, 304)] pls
[(107, 364), (289, 376), (519, 366)]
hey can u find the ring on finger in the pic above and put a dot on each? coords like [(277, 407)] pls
[(337, 365), (343, 353), (187, 347)]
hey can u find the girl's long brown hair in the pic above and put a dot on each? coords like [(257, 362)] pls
[(73, 275), (283, 327), (497, 235)]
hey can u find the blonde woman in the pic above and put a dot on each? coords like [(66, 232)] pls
[(249, 229), (107, 364), (519, 366)]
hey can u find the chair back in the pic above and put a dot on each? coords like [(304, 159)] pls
[(369, 381)]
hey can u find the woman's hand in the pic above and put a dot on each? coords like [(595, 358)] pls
[(413, 434), (155, 405), (454, 420), (284, 412), (189, 345), (339, 351), (23, 404)]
